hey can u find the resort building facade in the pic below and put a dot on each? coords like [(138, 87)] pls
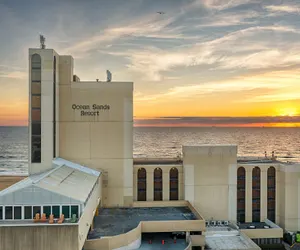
[(82, 171)]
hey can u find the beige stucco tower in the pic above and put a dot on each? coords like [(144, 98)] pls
[(87, 122), (43, 108)]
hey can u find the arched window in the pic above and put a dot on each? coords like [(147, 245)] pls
[(241, 189), (142, 184), (256, 194), (35, 115), (272, 194), (54, 107), (158, 195), (173, 184)]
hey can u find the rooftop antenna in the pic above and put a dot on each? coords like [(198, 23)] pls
[(42, 42), (109, 76)]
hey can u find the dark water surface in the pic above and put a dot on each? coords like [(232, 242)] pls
[(167, 142)]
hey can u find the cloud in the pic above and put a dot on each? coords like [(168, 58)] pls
[(224, 4), (283, 8), (226, 20), (14, 74), (219, 52), (149, 26), (272, 81), (274, 86), (274, 97)]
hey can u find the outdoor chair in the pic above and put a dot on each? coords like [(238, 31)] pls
[(61, 219), (74, 218), (51, 219), (37, 217)]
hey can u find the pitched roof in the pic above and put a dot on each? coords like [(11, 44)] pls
[(65, 178)]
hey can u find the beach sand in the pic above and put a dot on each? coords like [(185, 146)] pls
[(8, 180)]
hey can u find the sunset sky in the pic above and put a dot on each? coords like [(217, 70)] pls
[(202, 63)]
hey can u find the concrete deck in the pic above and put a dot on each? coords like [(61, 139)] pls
[(227, 238), (229, 243), (115, 221)]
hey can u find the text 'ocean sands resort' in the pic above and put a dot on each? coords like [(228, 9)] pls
[(86, 191)]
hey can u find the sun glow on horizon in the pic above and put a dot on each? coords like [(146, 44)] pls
[(287, 111)]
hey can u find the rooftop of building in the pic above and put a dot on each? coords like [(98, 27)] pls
[(115, 221), (227, 237), (179, 160), (62, 178), (229, 242)]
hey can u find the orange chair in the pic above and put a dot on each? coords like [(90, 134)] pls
[(37, 217), (44, 218), (51, 219), (61, 219)]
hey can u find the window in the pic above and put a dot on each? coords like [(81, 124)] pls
[(35, 128), (271, 194), (74, 210), (36, 101), (47, 210), (55, 211), (36, 61), (66, 211), (158, 184), (36, 64), (36, 75), (1, 213), (36, 210), (8, 213), (36, 88), (36, 149), (142, 184), (256, 194), (35, 115), (17, 213), (173, 184), (241, 185), (28, 212)]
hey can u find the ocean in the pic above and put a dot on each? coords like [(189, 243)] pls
[(167, 142)]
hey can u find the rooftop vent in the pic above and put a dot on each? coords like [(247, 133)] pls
[(109, 76), (42, 42)]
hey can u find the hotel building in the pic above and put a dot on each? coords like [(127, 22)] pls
[(81, 165)]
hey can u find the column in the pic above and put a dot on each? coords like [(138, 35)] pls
[(279, 198), (248, 194), (180, 184), (232, 192), (166, 184), (187, 237), (150, 184), (189, 183), (263, 194), (135, 185)]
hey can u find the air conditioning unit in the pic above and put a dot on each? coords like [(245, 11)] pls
[(213, 223), (226, 223), (206, 223), (219, 223)]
